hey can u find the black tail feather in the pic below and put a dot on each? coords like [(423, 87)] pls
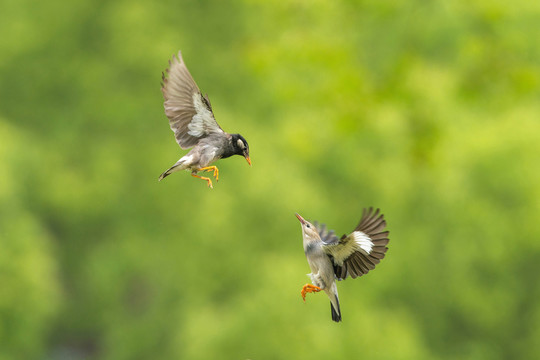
[(336, 315), (164, 175), (168, 172)]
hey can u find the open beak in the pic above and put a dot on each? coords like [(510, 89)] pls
[(300, 218), (248, 160)]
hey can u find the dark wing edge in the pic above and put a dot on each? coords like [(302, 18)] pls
[(189, 112), (328, 237), (359, 252)]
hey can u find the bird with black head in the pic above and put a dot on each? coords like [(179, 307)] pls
[(192, 120)]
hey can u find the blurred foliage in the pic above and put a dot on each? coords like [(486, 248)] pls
[(428, 110)]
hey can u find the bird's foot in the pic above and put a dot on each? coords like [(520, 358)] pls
[(211, 168), (308, 288), (204, 178)]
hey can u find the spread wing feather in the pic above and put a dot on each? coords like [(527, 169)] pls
[(359, 252), (189, 112), (327, 237)]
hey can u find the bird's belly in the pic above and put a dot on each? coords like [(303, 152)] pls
[(313, 267), (323, 267), (208, 158)]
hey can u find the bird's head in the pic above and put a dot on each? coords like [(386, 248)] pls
[(308, 230), (241, 146)]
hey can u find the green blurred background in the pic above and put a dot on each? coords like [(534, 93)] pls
[(428, 110)]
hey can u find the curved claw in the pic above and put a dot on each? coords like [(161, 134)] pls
[(309, 288), (211, 168), (204, 178)]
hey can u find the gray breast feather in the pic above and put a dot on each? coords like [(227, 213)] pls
[(310, 248), (211, 148)]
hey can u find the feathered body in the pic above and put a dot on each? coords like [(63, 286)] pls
[(322, 272), (207, 151), (331, 258), (192, 120)]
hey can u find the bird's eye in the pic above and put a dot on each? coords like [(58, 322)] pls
[(308, 226)]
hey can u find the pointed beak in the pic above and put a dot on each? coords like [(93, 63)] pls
[(300, 218), (248, 160)]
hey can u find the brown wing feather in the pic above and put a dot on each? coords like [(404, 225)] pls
[(367, 217), (347, 254), (180, 92)]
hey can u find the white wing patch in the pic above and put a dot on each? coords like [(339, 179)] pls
[(363, 241), (357, 241), (200, 121)]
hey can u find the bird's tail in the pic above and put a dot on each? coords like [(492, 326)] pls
[(176, 167), (334, 303), (336, 313), (164, 175)]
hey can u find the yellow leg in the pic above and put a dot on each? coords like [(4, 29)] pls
[(204, 178), (211, 168), (308, 288)]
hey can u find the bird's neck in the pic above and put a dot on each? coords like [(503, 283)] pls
[(310, 244), (229, 150)]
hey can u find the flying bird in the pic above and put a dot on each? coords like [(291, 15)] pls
[(331, 258), (192, 120)]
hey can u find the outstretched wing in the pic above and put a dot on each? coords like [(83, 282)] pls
[(189, 112), (359, 252)]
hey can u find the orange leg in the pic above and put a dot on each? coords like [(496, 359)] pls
[(308, 288), (204, 178), (211, 168)]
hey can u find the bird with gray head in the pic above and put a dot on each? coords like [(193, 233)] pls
[(331, 258), (194, 126)]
